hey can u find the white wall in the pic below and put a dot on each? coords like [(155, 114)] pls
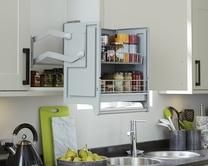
[(96, 131)]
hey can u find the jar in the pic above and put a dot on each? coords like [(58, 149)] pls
[(109, 87), (126, 57), (134, 81), (35, 78), (105, 39), (133, 48), (118, 83), (127, 82), (131, 58), (103, 53), (133, 39), (110, 56), (48, 78), (58, 77), (122, 38), (119, 57)]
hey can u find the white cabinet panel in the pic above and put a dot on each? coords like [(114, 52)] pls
[(167, 39), (14, 32), (81, 79), (177, 39), (200, 44)]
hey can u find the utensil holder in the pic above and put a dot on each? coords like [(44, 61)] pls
[(177, 140), (193, 139)]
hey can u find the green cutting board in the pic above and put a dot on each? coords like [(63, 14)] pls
[(46, 113)]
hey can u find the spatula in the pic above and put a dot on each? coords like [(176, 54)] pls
[(167, 114)]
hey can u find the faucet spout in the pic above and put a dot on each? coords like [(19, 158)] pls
[(133, 137)]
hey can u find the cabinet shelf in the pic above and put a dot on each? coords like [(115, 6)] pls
[(121, 63), (34, 91), (124, 97)]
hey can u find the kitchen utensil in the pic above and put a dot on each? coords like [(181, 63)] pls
[(64, 135), (46, 112), (167, 114), (188, 118), (177, 114), (164, 125), (24, 154), (166, 121)]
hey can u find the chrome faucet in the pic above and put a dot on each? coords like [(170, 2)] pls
[(133, 138)]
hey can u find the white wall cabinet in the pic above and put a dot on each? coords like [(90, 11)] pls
[(200, 44), (14, 44), (178, 40)]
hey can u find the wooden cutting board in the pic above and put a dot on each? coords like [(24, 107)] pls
[(46, 113)]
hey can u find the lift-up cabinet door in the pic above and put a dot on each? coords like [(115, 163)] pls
[(82, 76)]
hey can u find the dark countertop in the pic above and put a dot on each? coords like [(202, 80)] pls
[(158, 145)]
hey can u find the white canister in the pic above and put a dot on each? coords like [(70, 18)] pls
[(202, 124)]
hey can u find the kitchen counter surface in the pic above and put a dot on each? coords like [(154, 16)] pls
[(161, 145)]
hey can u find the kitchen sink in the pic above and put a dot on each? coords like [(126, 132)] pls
[(172, 155), (132, 161)]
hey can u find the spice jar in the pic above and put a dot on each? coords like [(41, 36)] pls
[(48, 78), (57, 77), (133, 39), (127, 82), (118, 77), (35, 78)]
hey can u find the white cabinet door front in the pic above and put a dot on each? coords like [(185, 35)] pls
[(14, 32), (200, 44), (81, 85)]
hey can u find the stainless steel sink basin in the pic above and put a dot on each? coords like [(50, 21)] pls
[(172, 155), (131, 161)]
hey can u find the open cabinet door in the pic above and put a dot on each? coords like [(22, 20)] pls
[(82, 77)]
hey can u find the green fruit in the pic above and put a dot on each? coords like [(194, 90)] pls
[(89, 153), (68, 159), (89, 158), (84, 158), (71, 154), (77, 159), (83, 153), (62, 158), (96, 157)]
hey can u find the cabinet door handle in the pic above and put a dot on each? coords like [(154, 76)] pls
[(197, 73), (26, 51)]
